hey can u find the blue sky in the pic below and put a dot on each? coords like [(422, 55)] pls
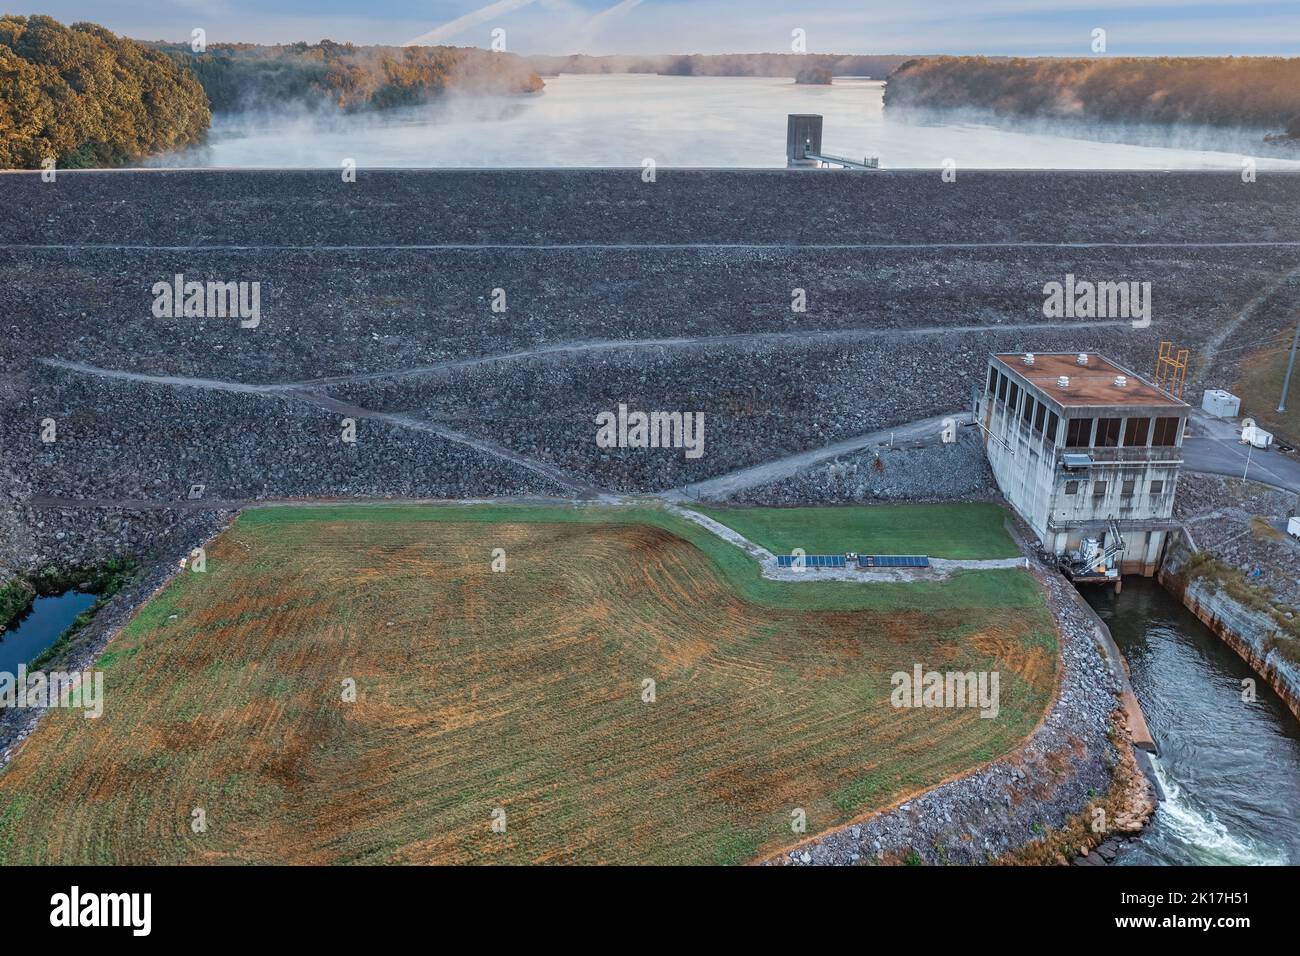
[(1026, 27)]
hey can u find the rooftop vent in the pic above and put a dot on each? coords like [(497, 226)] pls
[(1063, 382), (1029, 358), (1121, 381), (1082, 358)]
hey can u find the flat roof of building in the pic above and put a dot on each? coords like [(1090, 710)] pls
[(1092, 385)]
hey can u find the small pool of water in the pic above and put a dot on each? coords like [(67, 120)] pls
[(40, 627)]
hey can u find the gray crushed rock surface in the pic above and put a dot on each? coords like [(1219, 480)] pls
[(934, 471), (1243, 524)]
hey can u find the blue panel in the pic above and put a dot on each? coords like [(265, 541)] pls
[(893, 561), (815, 561)]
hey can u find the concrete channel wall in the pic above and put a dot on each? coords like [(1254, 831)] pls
[(1249, 632)]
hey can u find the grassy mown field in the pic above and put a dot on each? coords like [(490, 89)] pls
[(520, 690), (965, 531)]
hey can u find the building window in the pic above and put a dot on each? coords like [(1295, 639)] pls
[(1052, 422), (993, 379), (1039, 416), (1028, 415), (1166, 433), (1126, 489), (1013, 396), (1135, 432), (1071, 487), (1078, 432), (1157, 487), (1107, 432), (1002, 388), (1099, 489)]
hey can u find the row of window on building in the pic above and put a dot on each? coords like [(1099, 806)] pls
[(1127, 487), (1158, 432)]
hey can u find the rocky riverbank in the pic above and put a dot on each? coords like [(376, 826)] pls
[(1243, 525)]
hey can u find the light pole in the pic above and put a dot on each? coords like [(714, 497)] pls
[(1290, 366)]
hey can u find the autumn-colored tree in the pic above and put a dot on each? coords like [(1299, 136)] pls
[(83, 96), (1250, 92), (240, 76)]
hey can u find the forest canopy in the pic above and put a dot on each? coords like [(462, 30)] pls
[(246, 76), (1248, 92), (83, 96)]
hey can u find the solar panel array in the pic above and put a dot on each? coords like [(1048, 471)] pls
[(812, 561), (893, 561), (864, 561)]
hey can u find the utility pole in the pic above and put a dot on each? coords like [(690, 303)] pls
[(1290, 367), (1250, 446)]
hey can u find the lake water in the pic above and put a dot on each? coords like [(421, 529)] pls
[(40, 627), (621, 120), (1230, 770)]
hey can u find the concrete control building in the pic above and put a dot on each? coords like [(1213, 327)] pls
[(1088, 454)]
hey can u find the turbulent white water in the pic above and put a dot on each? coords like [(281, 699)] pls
[(622, 120), (1204, 837)]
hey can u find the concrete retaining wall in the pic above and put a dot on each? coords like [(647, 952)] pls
[(1251, 633)]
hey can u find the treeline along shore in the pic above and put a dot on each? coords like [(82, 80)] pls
[(725, 64), (239, 76), (1247, 92)]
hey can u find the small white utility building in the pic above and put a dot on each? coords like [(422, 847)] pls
[(1220, 403)]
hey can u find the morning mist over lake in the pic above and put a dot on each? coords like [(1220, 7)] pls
[(702, 121)]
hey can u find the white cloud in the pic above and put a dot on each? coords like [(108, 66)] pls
[(612, 13), (454, 27)]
